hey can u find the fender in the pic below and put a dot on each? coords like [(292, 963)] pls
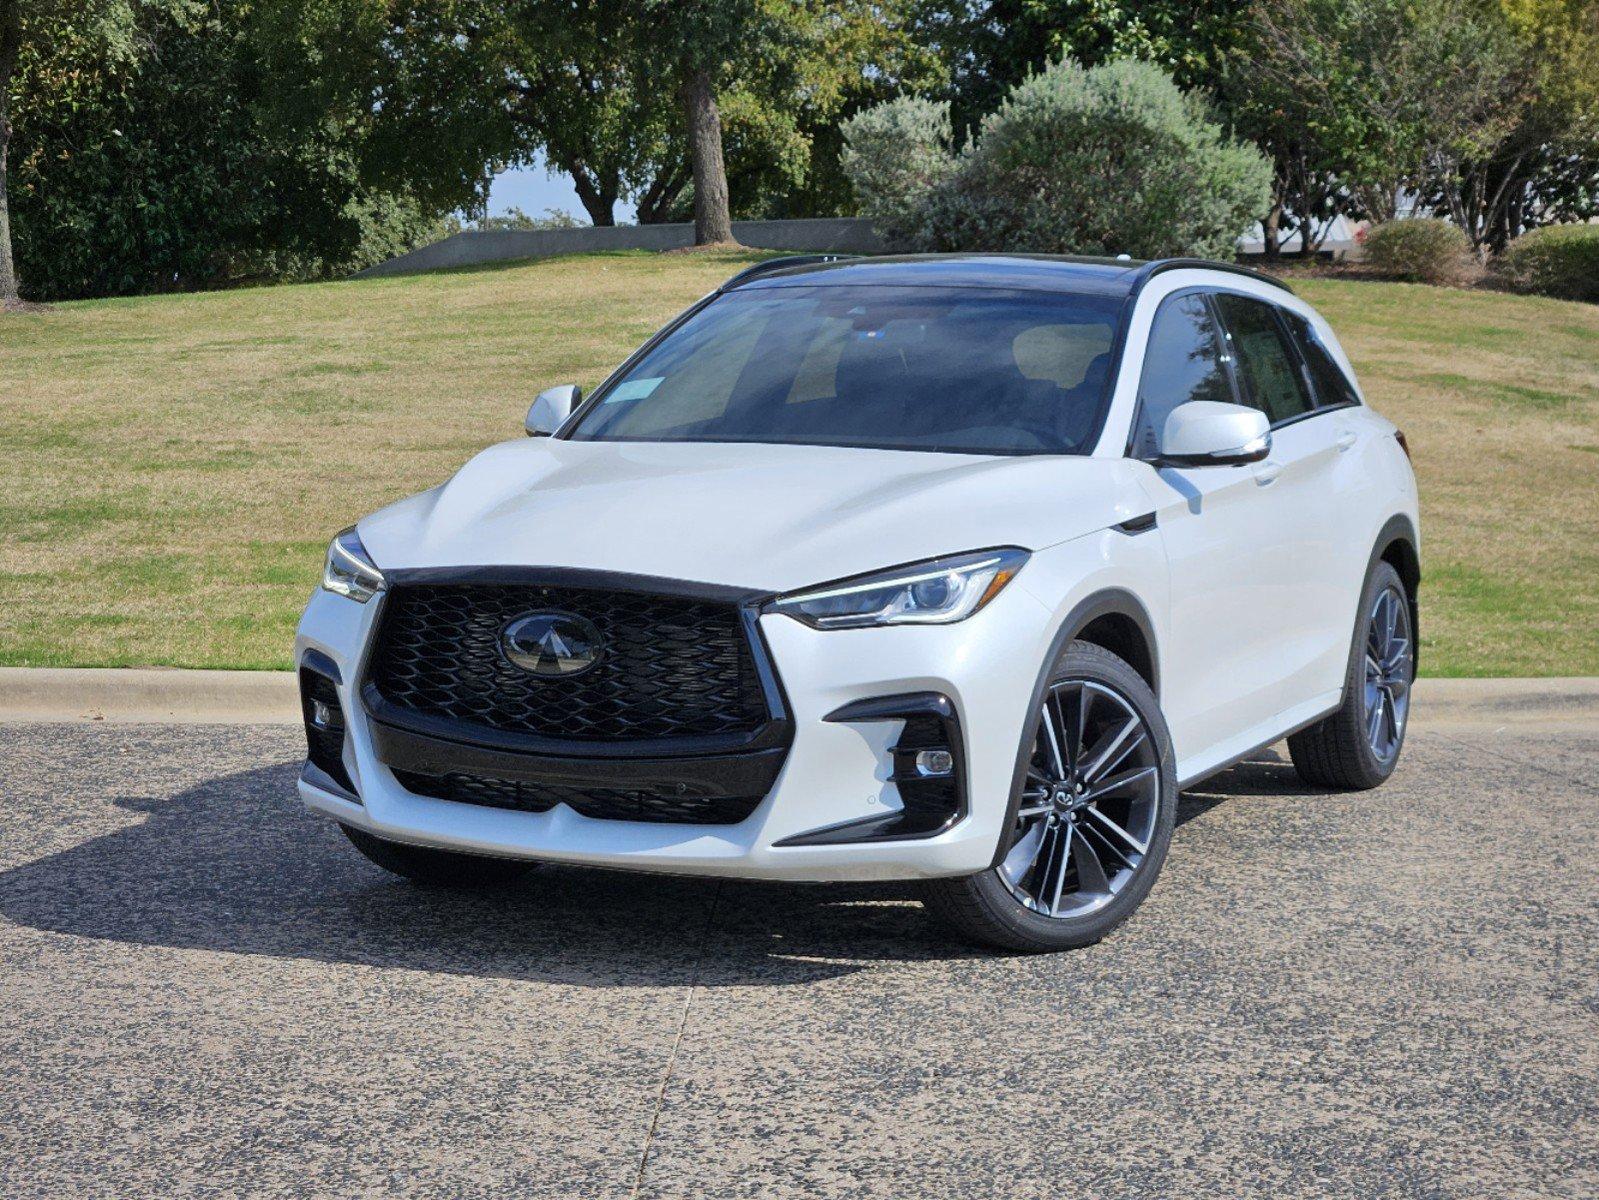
[(1110, 601), (1399, 528)]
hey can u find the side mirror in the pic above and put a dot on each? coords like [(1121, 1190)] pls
[(551, 408), (1205, 433)]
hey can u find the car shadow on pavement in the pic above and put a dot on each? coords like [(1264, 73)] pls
[(235, 864)]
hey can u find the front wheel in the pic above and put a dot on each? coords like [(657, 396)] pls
[(1094, 815)]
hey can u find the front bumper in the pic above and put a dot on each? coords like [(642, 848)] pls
[(838, 772)]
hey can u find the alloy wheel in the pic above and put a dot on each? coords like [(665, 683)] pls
[(1090, 802), (1390, 663)]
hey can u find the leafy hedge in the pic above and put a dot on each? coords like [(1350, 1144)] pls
[(1104, 160), (1558, 260), (1418, 248)]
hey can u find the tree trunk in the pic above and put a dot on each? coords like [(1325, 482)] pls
[(10, 49), (655, 205), (1270, 231), (599, 200), (713, 221)]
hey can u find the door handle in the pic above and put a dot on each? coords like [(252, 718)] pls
[(1347, 439), (1267, 472)]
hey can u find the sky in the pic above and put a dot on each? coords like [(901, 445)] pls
[(536, 188)]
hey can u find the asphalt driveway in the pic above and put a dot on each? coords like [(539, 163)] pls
[(204, 991)]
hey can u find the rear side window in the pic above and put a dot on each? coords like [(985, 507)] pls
[(1268, 372), (1332, 385), (1183, 363)]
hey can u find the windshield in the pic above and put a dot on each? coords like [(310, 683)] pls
[(965, 370)]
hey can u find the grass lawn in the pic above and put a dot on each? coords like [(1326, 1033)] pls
[(176, 464)]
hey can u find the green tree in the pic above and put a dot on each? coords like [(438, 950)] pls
[(37, 27), (173, 165), (1544, 168), (783, 63), (628, 98), (991, 46), (1388, 94)]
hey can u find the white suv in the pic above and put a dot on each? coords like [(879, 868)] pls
[(951, 569)]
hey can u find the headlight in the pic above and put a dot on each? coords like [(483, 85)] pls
[(349, 570), (940, 592)]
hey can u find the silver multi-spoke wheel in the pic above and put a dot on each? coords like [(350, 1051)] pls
[(1390, 660), (1090, 802)]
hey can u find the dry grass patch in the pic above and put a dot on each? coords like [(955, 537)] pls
[(176, 464), (1499, 396)]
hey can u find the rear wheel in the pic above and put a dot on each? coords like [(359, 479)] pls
[(1094, 818), (1358, 746), (437, 868)]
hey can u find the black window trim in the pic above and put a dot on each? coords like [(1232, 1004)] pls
[(1310, 380), (1287, 338), (1209, 292), (1203, 291)]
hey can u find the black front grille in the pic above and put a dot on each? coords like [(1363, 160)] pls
[(672, 667), (662, 805)]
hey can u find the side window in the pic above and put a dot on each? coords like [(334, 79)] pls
[(1332, 385), (1268, 372), (1183, 363)]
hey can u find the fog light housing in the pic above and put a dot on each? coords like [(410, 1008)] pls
[(324, 720), (928, 771)]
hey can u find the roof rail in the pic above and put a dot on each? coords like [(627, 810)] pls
[(1177, 264), (782, 264)]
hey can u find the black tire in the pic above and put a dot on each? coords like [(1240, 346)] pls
[(983, 908), (437, 868), (1337, 751)]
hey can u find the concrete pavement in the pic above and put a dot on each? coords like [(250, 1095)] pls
[(204, 991)]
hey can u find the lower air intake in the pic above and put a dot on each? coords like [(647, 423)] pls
[(662, 806)]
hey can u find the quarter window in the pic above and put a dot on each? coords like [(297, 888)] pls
[(1183, 363), (1332, 385), (1268, 372)]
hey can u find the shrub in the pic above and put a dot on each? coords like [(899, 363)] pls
[(896, 155), (1107, 160), (1558, 260), (1419, 248)]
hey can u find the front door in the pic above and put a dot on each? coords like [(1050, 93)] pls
[(1231, 544)]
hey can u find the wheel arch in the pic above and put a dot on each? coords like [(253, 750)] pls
[(1398, 545), (1113, 613)]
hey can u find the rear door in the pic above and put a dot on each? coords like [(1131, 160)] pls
[(1357, 484)]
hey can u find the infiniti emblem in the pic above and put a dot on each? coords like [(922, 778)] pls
[(552, 644)]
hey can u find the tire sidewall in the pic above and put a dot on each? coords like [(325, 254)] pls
[(1382, 575), (1030, 930)]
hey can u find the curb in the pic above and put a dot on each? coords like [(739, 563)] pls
[(158, 696), (180, 697)]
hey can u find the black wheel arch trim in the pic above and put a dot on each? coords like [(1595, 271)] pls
[(1109, 602), (1398, 529)]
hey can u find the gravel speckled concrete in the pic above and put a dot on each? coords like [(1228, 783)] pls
[(204, 991)]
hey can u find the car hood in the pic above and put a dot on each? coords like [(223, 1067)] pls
[(764, 517)]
